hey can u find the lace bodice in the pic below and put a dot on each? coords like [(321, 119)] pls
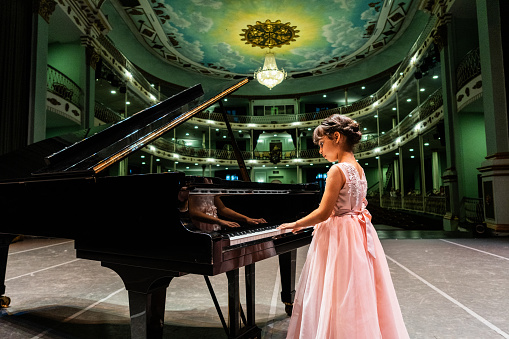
[(205, 203), (351, 197)]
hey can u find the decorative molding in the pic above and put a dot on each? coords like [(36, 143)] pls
[(92, 57), (88, 19), (469, 93), (45, 8), (63, 107)]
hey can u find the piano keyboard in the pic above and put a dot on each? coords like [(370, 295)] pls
[(250, 235)]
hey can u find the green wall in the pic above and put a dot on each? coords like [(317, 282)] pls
[(472, 148), (68, 59)]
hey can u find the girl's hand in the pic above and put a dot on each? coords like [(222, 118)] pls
[(290, 226), (252, 221), (227, 223)]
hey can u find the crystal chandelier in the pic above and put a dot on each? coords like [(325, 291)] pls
[(270, 75)]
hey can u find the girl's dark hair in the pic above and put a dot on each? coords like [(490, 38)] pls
[(338, 123)]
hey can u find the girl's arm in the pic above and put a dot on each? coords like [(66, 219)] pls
[(335, 181), (229, 213)]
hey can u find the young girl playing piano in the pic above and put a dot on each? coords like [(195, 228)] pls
[(345, 288)]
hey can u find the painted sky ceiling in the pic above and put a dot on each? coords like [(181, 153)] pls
[(209, 36)]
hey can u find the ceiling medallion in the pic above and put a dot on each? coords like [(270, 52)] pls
[(269, 34)]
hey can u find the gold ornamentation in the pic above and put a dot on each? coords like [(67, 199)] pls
[(45, 8), (269, 34)]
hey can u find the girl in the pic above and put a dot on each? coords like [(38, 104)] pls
[(345, 288)]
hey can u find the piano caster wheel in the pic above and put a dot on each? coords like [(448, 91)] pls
[(4, 301), (289, 309)]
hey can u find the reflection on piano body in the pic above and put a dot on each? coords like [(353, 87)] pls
[(141, 226)]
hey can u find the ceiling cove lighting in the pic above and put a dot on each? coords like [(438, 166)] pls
[(270, 75)]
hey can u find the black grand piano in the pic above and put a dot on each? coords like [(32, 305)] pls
[(63, 187)]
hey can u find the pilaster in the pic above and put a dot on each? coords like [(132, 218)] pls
[(443, 38), (495, 169)]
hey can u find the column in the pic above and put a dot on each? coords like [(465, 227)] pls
[(435, 170), (396, 176), (495, 169), (23, 63), (38, 81), (88, 84), (380, 180), (423, 174), (401, 177), (444, 39)]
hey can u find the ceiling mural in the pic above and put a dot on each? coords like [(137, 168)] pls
[(229, 38)]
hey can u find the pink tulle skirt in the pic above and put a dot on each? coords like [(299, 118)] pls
[(344, 292)]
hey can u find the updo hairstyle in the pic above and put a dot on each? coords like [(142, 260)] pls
[(338, 123)]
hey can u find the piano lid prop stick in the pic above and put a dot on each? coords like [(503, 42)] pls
[(242, 165)]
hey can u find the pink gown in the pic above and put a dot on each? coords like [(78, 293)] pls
[(345, 289)]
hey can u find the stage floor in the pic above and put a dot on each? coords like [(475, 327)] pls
[(447, 288)]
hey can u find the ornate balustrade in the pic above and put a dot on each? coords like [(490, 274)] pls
[(105, 114), (469, 68), (474, 209), (61, 85), (430, 204), (210, 153)]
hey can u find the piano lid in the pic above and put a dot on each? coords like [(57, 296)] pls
[(99, 151)]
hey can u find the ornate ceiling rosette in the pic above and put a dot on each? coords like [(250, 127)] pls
[(269, 34)]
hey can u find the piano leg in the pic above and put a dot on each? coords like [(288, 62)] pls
[(250, 293), (288, 268), (147, 298), (5, 241), (250, 330), (147, 313)]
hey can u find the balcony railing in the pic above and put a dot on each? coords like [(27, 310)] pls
[(61, 85), (469, 68), (431, 204), (266, 119), (474, 209), (204, 153), (105, 114)]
